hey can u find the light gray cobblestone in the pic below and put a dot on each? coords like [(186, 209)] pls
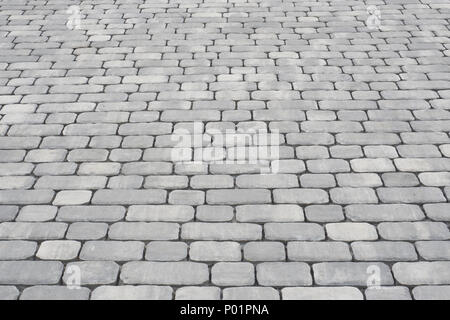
[(328, 293), (132, 293), (54, 293)]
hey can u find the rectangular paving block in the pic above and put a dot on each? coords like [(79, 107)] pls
[(317, 293), (30, 272), (269, 213), (112, 250), (32, 230), (352, 273), (238, 196), (90, 273), (164, 273), (129, 197), (318, 251), (143, 231), (283, 274), (183, 150), (221, 231), (417, 273), (26, 196)]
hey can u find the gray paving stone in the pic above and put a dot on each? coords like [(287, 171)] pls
[(293, 231), (143, 231), (414, 230), (58, 250), (236, 196), (33, 231), (438, 211), (300, 196), (388, 293), (318, 251), (166, 251), (115, 139), (87, 231), (124, 292), (197, 293), (54, 293), (233, 274), (328, 293), (433, 250), (112, 250), (214, 213), (324, 213), (17, 250), (410, 195), (186, 197), (267, 181), (221, 231), (420, 165), (350, 273), (264, 251), (383, 251), (250, 293), (269, 213), (175, 213), (431, 292), (384, 212), (92, 272), (37, 213), (358, 180), (283, 274), (26, 196), (75, 197), (91, 213), (215, 251), (8, 213), (128, 197), (319, 180), (9, 293), (351, 231), (348, 195)]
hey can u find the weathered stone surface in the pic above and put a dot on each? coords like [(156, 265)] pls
[(8, 293), (91, 272), (388, 293), (124, 292), (54, 293), (350, 273), (198, 293), (30, 272), (328, 293), (250, 293), (283, 274), (164, 273)]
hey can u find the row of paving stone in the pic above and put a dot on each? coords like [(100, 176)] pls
[(257, 251), (259, 213), (342, 231)]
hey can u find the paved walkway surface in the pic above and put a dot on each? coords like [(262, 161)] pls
[(122, 123)]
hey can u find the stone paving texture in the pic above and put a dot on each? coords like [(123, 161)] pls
[(92, 194)]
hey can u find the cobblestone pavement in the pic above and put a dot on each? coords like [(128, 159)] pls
[(96, 95)]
